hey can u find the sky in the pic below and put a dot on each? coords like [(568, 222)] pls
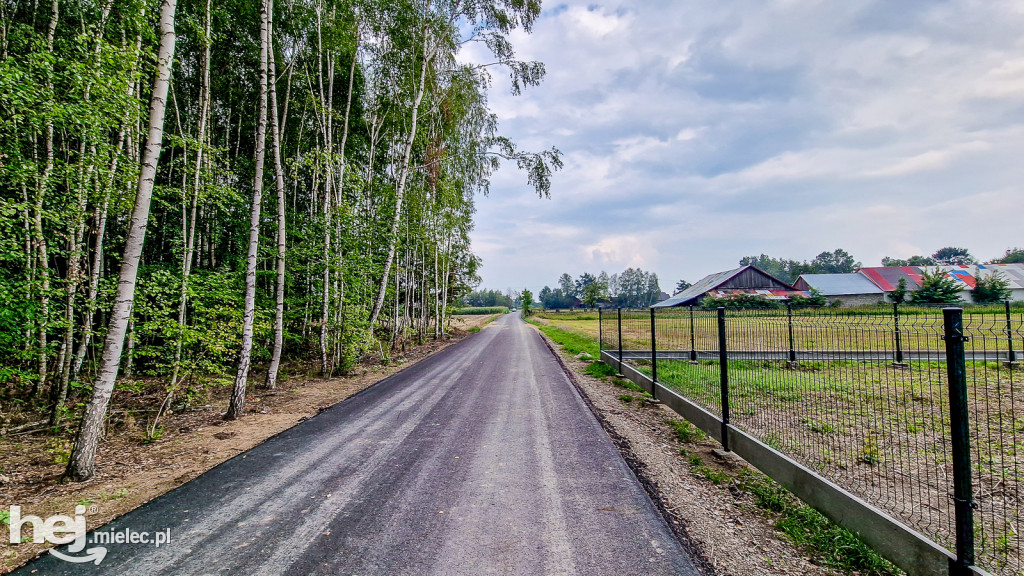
[(695, 133)]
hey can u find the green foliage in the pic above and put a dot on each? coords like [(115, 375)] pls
[(836, 262), (572, 342), (593, 292), (831, 544), (815, 300), (527, 301), (480, 311), (599, 370), (936, 288), (485, 299), (912, 261), (685, 431), (741, 302), (952, 256), (344, 218), (899, 295), (1012, 256), (991, 288)]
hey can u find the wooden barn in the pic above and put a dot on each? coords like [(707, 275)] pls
[(745, 280)]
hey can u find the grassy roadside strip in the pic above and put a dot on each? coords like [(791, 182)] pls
[(572, 342), (828, 543)]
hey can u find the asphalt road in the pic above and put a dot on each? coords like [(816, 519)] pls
[(479, 460)]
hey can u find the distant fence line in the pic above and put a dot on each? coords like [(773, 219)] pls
[(907, 427)]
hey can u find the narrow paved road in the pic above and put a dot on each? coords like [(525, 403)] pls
[(479, 460)]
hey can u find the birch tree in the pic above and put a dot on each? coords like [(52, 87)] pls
[(82, 462)]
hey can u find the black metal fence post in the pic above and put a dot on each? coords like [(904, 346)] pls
[(963, 498), (899, 339), (693, 339), (620, 339), (723, 368), (789, 318), (1009, 334), (600, 333), (654, 359)]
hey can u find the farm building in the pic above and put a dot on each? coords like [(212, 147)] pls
[(887, 278), (848, 289), (745, 280)]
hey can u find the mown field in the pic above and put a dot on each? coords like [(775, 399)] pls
[(879, 429)]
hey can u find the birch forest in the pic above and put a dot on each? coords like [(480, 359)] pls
[(195, 191)]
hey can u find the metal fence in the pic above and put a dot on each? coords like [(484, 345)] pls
[(892, 406)]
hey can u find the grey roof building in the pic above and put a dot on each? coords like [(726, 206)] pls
[(851, 289)]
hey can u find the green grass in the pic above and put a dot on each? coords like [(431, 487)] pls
[(480, 311), (602, 370), (806, 527), (685, 431), (572, 342)]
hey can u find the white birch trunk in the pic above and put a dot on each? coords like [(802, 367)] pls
[(237, 405), (82, 463), (282, 237)]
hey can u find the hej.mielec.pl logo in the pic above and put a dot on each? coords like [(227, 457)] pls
[(61, 529)]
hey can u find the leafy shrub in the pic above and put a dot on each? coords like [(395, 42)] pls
[(991, 288), (936, 288)]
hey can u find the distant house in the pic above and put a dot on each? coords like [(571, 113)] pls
[(851, 289), (1014, 273), (887, 278), (745, 280), (965, 276)]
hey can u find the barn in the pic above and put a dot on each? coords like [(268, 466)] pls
[(744, 280), (965, 276), (851, 289)]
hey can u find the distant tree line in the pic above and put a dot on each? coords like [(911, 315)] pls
[(838, 261), (632, 288), (953, 256), (488, 298)]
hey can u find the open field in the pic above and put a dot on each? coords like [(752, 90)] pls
[(877, 428), (769, 330)]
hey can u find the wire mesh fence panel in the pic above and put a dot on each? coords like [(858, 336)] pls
[(996, 408), (825, 388), (861, 397), (688, 354)]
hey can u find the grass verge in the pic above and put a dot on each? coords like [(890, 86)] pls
[(826, 541), (572, 342), (833, 545)]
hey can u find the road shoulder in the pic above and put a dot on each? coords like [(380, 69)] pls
[(720, 525)]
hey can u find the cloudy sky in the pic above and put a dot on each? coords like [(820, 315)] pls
[(697, 132)]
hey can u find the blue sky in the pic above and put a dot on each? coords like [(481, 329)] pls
[(695, 133)]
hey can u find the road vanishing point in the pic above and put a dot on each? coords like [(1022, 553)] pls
[(479, 460)]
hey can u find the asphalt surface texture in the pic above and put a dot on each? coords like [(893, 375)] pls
[(481, 459)]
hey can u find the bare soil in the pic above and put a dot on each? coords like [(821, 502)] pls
[(131, 473), (719, 521)]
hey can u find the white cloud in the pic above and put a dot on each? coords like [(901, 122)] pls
[(696, 133)]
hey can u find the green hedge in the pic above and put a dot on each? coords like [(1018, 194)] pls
[(480, 311)]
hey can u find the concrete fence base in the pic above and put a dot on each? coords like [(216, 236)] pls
[(914, 553)]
